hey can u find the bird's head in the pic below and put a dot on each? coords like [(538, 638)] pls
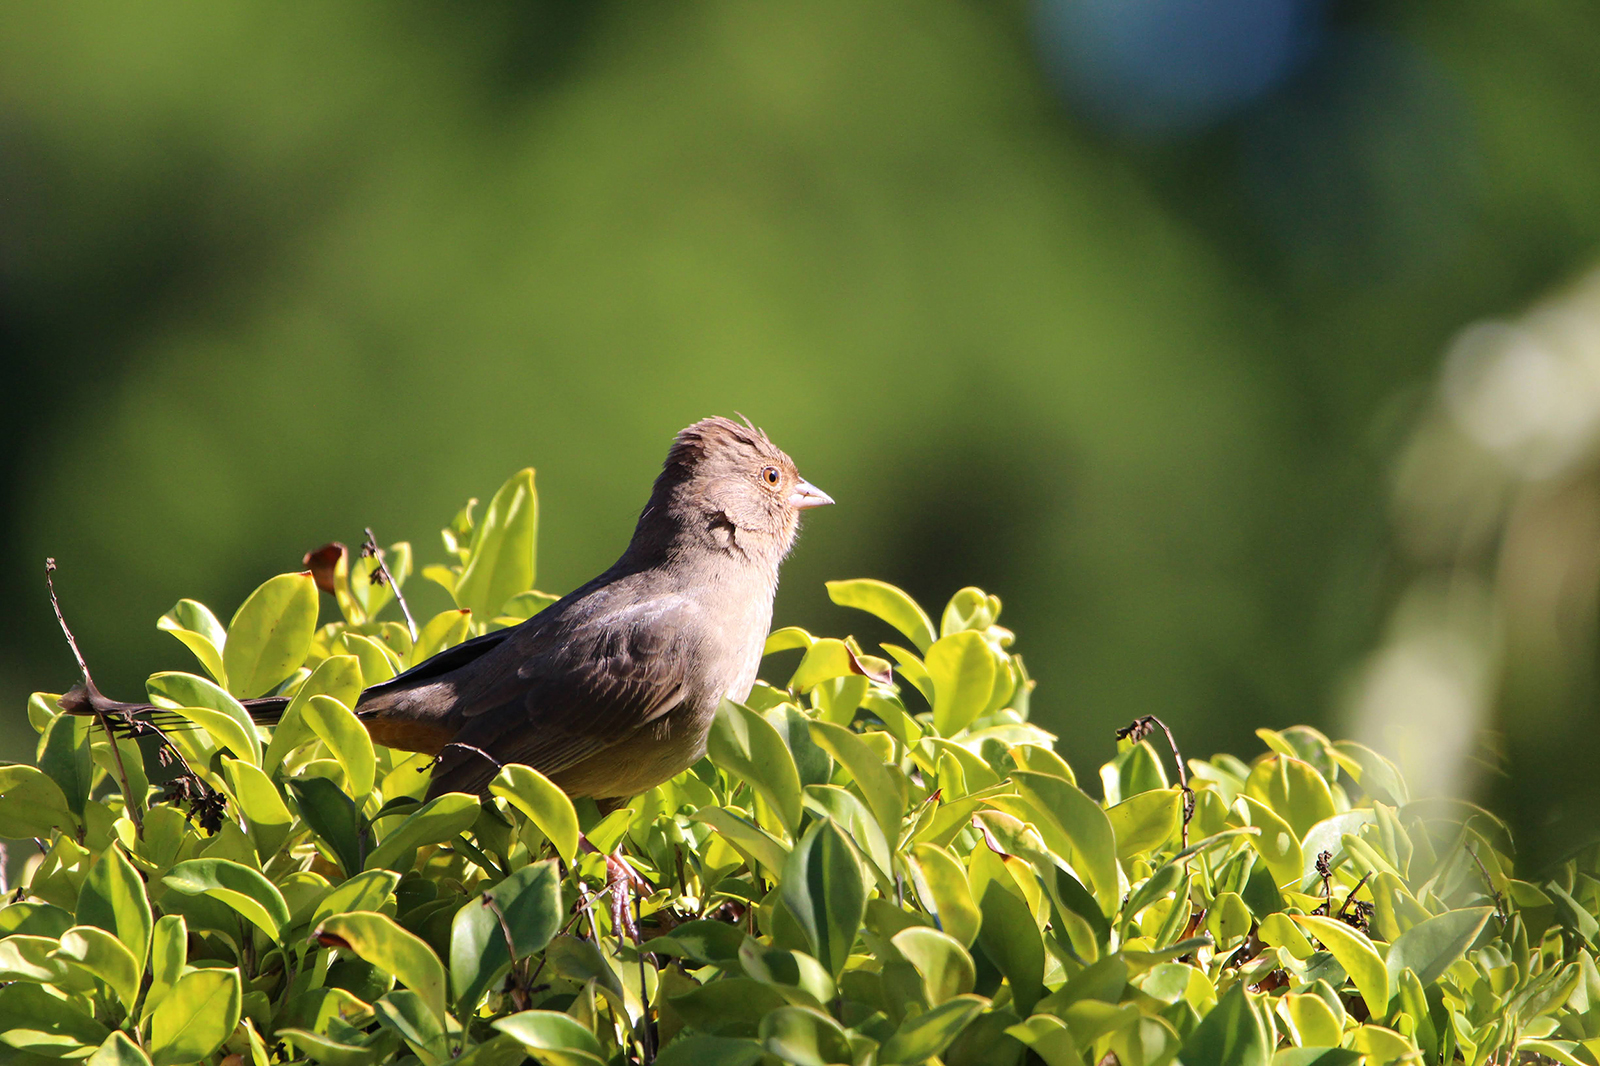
[(728, 482)]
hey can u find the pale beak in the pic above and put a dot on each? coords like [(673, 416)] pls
[(806, 495)]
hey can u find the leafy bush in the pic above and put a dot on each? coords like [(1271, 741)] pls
[(862, 870)]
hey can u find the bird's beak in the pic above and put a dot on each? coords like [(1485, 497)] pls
[(806, 495)]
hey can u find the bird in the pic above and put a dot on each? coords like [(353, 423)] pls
[(612, 689)]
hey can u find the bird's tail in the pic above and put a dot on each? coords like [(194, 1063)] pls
[(123, 718)]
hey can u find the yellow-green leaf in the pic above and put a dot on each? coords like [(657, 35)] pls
[(1356, 954), (889, 603), (503, 560), (270, 634), (536, 796), (346, 738)]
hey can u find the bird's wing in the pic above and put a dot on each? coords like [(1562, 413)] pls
[(577, 689)]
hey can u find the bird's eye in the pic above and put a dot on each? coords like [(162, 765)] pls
[(771, 474)]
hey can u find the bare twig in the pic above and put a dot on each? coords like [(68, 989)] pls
[(371, 549), (130, 801), (1351, 897), (1137, 731), (1494, 893)]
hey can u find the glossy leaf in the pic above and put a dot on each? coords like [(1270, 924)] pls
[(380, 941), (962, 668), (928, 1034), (195, 1017), (268, 818), (199, 631), (1145, 821), (1277, 843), (503, 560), (245, 890), (888, 603), (33, 1020), (536, 796), (347, 740), (119, 1050), (1011, 940), (804, 1037), (1430, 947), (1074, 825), (526, 906), (31, 804), (946, 968), (113, 898), (1356, 954), (879, 787), (822, 888), (554, 1038), (941, 883), (65, 756), (745, 744), (333, 816), (270, 635), (107, 958), (441, 818), (1232, 1034), (338, 676)]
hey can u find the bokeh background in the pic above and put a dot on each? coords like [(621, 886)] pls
[(1246, 348)]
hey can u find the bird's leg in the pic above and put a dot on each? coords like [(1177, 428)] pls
[(621, 881)]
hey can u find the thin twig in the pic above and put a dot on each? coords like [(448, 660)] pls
[(1137, 731), (130, 802), (1494, 893), (1351, 897), (371, 548)]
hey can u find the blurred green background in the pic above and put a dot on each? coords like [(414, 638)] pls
[(1138, 313)]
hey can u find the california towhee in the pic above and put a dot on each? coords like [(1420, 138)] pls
[(611, 690)]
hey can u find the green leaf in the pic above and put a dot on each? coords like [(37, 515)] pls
[(338, 676), (747, 746), (333, 816), (962, 668), (1293, 789), (444, 630), (1145, 821), (701, 1049), (1049, 1038), (946, 968), (528, 903), (347, 739), (24, 957), (730, 1006), (30, 803), (1074, 826), (441, 818), (504, 544), (1356, 954), (270, 634), (555, 1038), (403, 1011), (377, 939), (113, 897), (804, 1037), (822, 888), (580, 961), (65, 756), (1277, 843), (367, 891), (193, 623), (1430, 947), (536, 796), (211, 708), (883, 791), (831, 801), (1232, 1034), (268, 818), (825, 659), (105, 957), (927, 1034), (195, 1017), (119, 1050), (33, 1020), (1010, 938), (888, 603), (941, 885), (169, 951), (245, 890), (749, 839)]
